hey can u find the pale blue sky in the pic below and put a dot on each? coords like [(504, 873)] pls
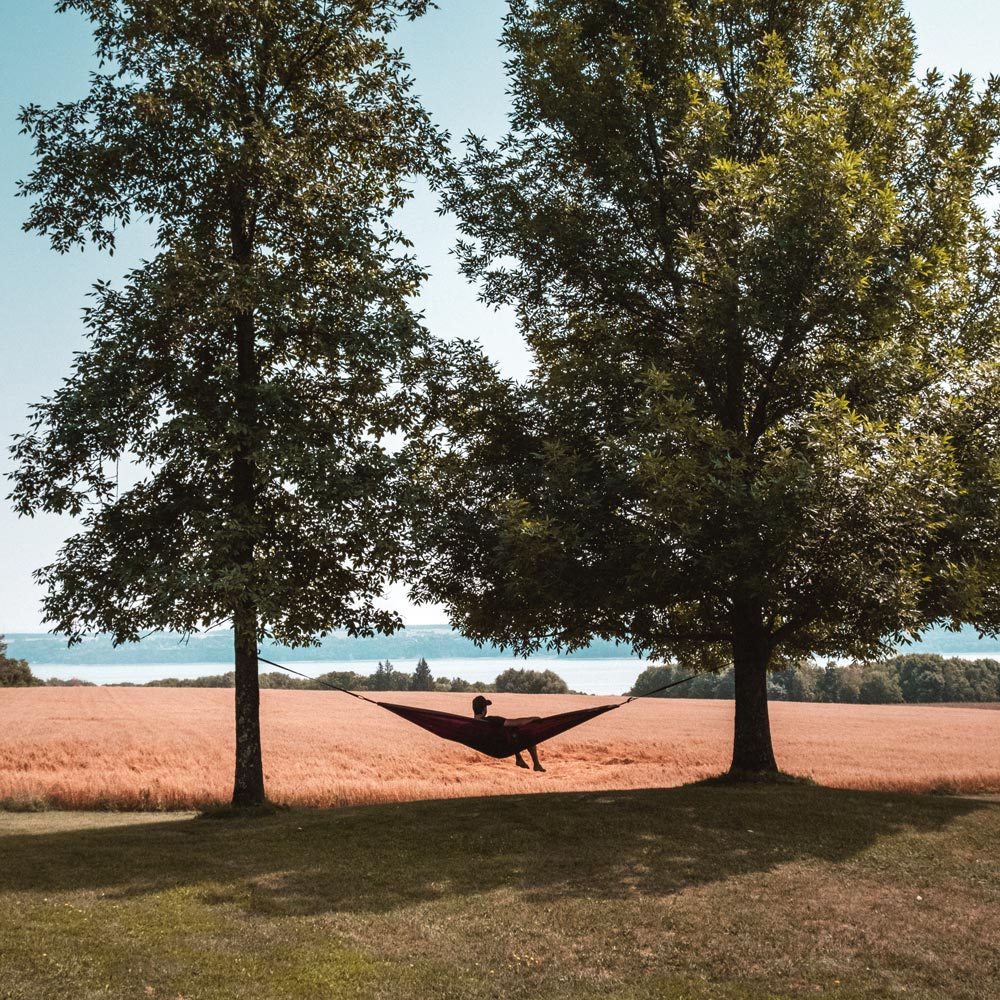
[(458, 68)]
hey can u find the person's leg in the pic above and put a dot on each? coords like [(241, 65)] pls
[(519, 760), (534, 758)]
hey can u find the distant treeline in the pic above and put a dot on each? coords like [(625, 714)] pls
[(912, 679), (17, 673), (388, 678)]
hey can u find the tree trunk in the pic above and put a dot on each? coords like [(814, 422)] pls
[(752, 751), (248, 784)]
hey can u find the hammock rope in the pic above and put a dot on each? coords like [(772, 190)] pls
[(316, 680), (487, 735)]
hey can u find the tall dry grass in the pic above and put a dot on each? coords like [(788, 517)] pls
[(164, 748)]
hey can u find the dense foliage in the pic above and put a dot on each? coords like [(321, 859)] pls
[(749, 253), (517, 681), (249, 371), (423, 679), (917, 678), (15, 672)]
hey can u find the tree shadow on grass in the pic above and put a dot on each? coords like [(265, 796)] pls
[(547, 847)]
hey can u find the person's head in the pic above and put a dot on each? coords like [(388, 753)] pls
[(479, 704)]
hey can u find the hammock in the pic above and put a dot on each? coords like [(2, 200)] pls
[(489, 735)]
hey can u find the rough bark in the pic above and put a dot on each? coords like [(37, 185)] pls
[(752, 750), (248, 784)]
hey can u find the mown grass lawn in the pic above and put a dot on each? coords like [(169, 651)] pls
[(699, 892)]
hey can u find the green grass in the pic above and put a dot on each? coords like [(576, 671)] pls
[(696, 893)]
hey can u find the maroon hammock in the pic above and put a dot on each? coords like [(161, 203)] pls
[(490, 736)]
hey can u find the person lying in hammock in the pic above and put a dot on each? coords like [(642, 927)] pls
[(479, 704)]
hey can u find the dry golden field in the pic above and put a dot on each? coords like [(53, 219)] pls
[(173, 748)]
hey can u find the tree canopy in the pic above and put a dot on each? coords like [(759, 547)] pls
[(422, 679), (248, 373), (749, 252), (514, 680)]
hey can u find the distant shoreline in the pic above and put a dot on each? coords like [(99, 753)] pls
[(430, 641), (603, 668)]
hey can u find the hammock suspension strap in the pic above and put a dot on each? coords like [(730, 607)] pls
[(316, 680), (648, 694)]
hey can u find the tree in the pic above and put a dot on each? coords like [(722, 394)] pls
[(461, 686), (984, 680), (798, 682), (828, 683), (15, 673), (746, 249), (514, 681), (921, 677), (388, 678), (879, 686), (657, 676), (251, 369), (423, 679)]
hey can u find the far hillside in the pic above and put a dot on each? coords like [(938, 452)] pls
[(430, 641), (435, 642)]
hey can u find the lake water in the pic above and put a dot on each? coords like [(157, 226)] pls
[(592, 676), (448, 653)]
